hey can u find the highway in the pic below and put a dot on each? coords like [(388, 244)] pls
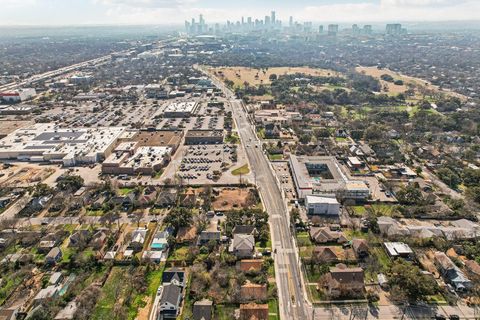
[(293, 303), (52, 74)]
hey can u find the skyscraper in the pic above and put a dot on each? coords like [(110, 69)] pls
[(290, 22), (273, 20)]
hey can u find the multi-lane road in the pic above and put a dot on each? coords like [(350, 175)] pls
[(293, 303)]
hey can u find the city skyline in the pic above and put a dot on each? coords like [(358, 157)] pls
[(161, 12)]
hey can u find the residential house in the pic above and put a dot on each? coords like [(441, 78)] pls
[(46, 293), (398, 249), (148, 197), (211, 234), (243, 245), (79, 238), (323, 254), (53, 256), (125, 201), (253, 311), (360, 247), (174, 275), (158, 248), (166, 199), (245, 229), (325, 235), (138, 239), (202, 310), (451, 273), (46, 245), (345, 282), (169, 306), (253, 292), (55, 278), (98, 240), (272, 131)]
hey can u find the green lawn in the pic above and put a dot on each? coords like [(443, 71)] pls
[(273, 310), (274, 157), (359, 211), (225, 312), (303, 239), (154, 278), (178, 254), (124, 191), (108, 297), (233, 138), (242, 170), (95, 213)]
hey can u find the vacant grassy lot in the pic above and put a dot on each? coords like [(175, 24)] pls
[(395, 89), (241, 170), (255, 77)]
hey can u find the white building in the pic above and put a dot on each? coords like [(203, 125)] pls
[(45, 142), (322, 205), (180, 109), (18, 95)]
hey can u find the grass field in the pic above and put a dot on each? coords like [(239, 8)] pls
[(108, 297), (240, 75), (396, 89), (241, 170)]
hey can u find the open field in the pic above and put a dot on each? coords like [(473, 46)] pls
[(396, 89), (228, 199), (240, 75)]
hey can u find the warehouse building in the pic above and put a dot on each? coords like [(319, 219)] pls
[(322, 205), (17, 96), (204, 137), (46, 142), (180, 109)]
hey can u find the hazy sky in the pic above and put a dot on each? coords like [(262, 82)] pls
[(72, 12)]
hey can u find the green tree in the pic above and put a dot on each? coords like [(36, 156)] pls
[(449, 177), (407, 278), (179, 217), (410, 195)]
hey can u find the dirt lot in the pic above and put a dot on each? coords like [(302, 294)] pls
[(229, 199), (23, 175), (261, 76), (394, 89)]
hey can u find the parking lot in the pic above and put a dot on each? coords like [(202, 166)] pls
[(283, 173), (206, 164), (197, 123)]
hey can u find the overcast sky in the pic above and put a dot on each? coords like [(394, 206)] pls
[(79, 12)]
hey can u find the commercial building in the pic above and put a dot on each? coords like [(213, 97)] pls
[(180, 109), (143, 152), (322, 205), (17, 109), (155, 91), (204, 137), (81, 79), (136, 160), (282, 117), (323, 176), (18, 95), (46, 142)]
